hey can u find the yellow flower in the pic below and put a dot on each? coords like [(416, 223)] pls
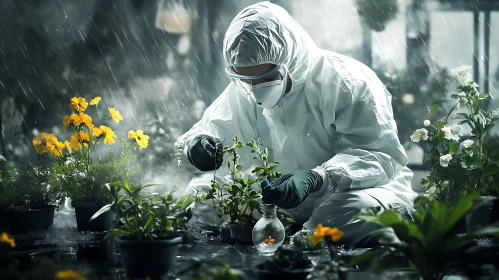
[(68, 146), (97, 131), (115, 115), (74, 120), (108, 134), (45, 143), (79, 139), (95, 101), (87, 120), (6, 239), (68, 275), (269, 241), (78, 103), (139, 136), (56, 148), (321, 232)]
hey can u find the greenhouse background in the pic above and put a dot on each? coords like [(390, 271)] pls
[(163, 73)]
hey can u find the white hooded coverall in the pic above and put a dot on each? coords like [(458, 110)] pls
[(337, 117)]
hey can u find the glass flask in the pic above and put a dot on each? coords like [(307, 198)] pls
[(268, 233)]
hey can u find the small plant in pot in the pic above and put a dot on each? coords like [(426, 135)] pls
[(26, 200), (240, 199), (88, 161), (148, 228), (425, 242), (460, 166)]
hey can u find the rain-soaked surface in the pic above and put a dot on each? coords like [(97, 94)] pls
[(86, 251)]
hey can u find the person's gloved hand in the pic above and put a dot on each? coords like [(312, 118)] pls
[(291, 189), (205, 152)]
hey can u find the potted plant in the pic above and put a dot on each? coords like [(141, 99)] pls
[(86, 162), (26, 200), (148, 227), (459, 166), (240, 199), (424, 242)]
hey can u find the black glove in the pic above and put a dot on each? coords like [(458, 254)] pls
[(205, 152), (291, 189)]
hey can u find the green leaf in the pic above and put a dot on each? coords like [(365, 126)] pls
[(432, 108), (483, 96), (461, 116), (101, 211), (189, 199), (491, 170), (127, 188), (459, 210), (389, 217), (453, 147)]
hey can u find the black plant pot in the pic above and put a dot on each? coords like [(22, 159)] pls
[(484, 212), (148, 258), (85, 210), (23, 255), (242, 233), (291, 274), (15, 221)]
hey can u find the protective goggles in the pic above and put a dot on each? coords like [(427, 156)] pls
[(246, 83)]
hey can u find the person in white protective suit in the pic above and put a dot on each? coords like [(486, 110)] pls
[(326, 118)]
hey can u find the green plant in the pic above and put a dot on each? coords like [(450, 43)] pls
[(82, 164), (401, 85), (266, 170), (377, 13), (301, 241), (211, 269), (25, 187), (237, 199), (427, 242), (458, 167), (147, 217)]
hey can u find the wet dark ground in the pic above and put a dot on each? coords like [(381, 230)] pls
[(86, 251)]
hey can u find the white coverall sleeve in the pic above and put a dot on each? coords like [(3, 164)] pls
[(368, 151), (228, 116)]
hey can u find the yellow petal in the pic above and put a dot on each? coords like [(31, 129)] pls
[(132, 134), (315, 239), (95, 101), (335, 234)]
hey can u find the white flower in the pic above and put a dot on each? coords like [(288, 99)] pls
[(461, 103), (430, 193), (452, 133), (427, 123), (432, 190), (463, 74), (419, 134), (445, 159), (467, 143), (408, 99)]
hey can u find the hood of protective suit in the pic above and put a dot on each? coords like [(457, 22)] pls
[(266, 33)]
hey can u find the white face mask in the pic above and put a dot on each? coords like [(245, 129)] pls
[(268, 94)]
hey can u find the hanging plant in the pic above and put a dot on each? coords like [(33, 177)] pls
[(377, 13)]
